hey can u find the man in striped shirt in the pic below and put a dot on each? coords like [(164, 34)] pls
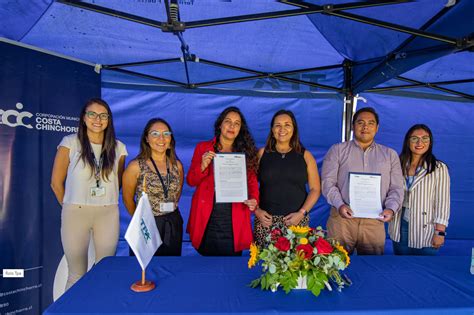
[(361, 155)]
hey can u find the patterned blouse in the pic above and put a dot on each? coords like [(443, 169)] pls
[(154, 188)]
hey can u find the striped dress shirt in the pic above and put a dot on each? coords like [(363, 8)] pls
[(429, 203)]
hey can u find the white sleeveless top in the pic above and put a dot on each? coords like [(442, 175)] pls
[(80, 178)]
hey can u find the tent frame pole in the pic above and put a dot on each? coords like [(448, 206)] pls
[(436, 87), (149, 77), (348, 101), (304, 8), (257, 74), (287, 13), (329, 10), (142, 63), (415, 85), (398, 51)]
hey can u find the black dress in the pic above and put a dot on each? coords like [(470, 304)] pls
[(218, 239), (283, 179)]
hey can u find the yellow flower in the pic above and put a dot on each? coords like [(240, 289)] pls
[(303, 241), (300, 229), (344, 251), (253, 255)]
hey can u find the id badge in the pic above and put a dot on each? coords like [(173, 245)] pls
[(97, 191), (166, 207)]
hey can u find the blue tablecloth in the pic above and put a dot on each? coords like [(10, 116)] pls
[(211, 285)]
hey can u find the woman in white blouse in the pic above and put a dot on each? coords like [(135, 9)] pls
[(420, 228), (86, 180)]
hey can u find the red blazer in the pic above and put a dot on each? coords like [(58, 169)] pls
[(203, 199)]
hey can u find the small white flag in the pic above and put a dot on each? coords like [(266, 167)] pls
[(142, 234)]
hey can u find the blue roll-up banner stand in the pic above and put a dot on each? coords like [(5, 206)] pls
[(40, 99)]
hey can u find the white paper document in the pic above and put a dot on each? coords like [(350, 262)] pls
[(230, 176), (364, 195)]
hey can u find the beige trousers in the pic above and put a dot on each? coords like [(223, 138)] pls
[(77, 221), (367, 236)]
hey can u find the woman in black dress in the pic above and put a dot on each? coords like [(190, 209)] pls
[(285, 169)]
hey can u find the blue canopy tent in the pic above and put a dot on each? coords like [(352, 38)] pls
[(298, 50), (186, 60)]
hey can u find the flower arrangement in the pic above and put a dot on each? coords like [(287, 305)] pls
[(296, 254)]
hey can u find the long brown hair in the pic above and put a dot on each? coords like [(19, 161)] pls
[(295, 142), (109, 143), (243, 142), (145, 149)]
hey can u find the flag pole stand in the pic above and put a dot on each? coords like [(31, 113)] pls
[(143, 285)]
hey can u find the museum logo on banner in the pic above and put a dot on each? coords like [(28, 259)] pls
[(19, 118)]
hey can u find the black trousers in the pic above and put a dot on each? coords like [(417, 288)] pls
[(170, 226)]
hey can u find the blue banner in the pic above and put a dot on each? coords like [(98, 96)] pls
[(40, 98)]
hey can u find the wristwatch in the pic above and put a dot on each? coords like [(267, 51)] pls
[(440, 233)]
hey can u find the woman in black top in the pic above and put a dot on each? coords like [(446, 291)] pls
[(285, 169)]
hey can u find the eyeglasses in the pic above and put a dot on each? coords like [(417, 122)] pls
[(94, 115), (424, 139), (157, 134)]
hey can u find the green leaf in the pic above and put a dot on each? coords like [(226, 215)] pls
[(272, 268), (316, 290), (322, 277), (263, 281), (317, 260), (288, 280), (271, 280), (310, 280), (255, 283)]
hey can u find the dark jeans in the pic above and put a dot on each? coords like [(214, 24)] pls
[(401, 248)]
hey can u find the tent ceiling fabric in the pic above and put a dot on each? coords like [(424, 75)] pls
[(264, 47)]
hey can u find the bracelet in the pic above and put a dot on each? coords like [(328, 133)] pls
[(440, 233), (305, 212)]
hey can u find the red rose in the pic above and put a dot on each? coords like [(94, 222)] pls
[(275, 234), (282, 244), (323, 246), (307, 250)]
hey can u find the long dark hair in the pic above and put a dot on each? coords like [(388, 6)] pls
[(428, 157), (295, 142), (145, 149), (243, 142), (109, 142)]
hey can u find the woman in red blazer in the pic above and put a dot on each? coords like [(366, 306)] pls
[(222, 229)]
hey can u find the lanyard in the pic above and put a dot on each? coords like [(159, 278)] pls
[(98, 169), (165, 187), (411, 179)]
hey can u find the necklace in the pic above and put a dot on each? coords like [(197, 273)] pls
[(283, 154)]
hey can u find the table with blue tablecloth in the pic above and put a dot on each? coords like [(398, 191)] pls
[(218, 285)]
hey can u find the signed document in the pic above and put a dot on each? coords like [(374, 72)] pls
[(230, 176), (364, 195)]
